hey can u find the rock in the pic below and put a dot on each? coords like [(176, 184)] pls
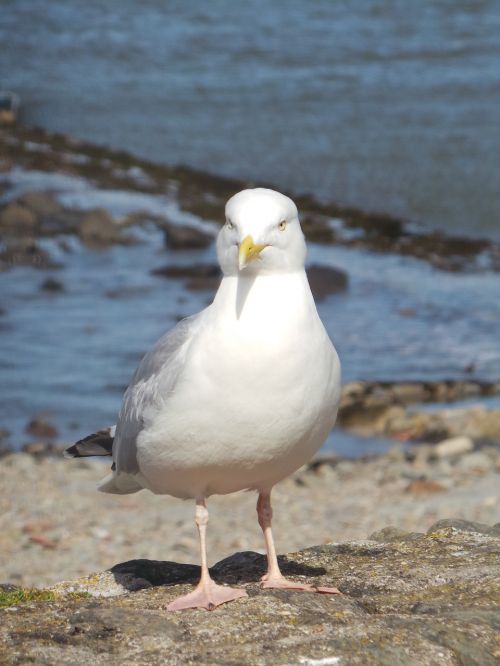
[(24, 252), (477, 462), (394, 534), (429, 599), (424, 487), (460, 526), (409, 393), (317, 229), (98, 230), (454, 446), (481, 422), (52, 285), (407, 312), (380, 408), (42, 449), (17, 220), (113, 583), (198, 277), (127, 292), (40, 427), (184, 237), (325, 280), (495, 530), (5, 447), (41, 203)]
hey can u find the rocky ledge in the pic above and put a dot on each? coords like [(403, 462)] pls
[(408, 598), (199, 193)]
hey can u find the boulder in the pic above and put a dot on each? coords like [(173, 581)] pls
[(406, 599), (41, 203), (16, 219), (98, 229), (326, 280), (197, 277), (184, 237)]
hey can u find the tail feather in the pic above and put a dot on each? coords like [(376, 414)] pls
[(99, 443), (119, 484)]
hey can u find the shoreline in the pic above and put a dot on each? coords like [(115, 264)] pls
[(445, 465), (204, 194), (414, 413)]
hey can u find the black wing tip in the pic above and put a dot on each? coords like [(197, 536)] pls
[(71, 451), (99, 443)]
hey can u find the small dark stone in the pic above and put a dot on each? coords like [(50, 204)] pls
[(127, 292), (182, 237), (39, 427), (5, 447), (24, 252), (325, 280), (424, 487), (42, 449), (52, 285), (198, 277), (41, 203)]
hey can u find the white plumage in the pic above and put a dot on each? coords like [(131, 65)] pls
[(244, 393)]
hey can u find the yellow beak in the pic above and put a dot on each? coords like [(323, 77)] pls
[(249, 251)]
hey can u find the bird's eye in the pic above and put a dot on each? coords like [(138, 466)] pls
[(282, 225), (229, 224)]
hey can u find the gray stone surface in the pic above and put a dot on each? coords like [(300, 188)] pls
[(407, 599)]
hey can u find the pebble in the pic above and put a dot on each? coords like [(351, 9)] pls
[(92, 531), (477, 462), (453, 446), (40, 427)]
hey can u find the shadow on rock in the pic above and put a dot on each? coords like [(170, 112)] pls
[(245, 567)]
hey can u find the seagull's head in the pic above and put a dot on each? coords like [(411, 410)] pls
[(261, 234)]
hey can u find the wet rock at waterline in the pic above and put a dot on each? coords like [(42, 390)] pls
[(204, 194), (17, 220), (196, 276), (24, 252), (184, 237), (324, 280), (98, 230)]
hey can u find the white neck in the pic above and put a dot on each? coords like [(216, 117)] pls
[(265, 297)]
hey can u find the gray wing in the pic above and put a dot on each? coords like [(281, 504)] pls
[(155, 378)]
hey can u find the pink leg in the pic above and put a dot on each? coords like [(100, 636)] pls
[(207, 593), (274, 577)]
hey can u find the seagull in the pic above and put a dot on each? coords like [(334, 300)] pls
[(237, 397)]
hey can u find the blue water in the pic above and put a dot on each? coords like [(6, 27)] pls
[(389, 105)]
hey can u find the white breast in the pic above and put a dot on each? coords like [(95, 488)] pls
[(257, 397)]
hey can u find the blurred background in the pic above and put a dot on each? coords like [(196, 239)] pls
[(390, 105), (138, 120), (378, 107)]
